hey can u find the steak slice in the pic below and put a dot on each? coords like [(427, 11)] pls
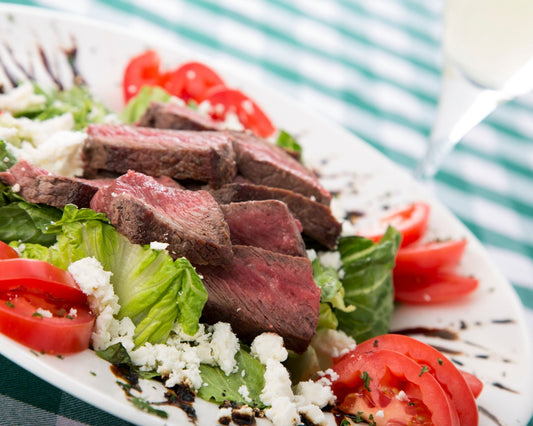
[(203, 156), (317, 220), (266, 224), (264, 291), (263, 163), (145, 210), (162, 115), (38, 185)]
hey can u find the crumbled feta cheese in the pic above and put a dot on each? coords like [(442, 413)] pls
[(311, 254), (269, 346), (95, 283), (73, 313), (245, 393), (224, 413), (330, 259), (314, 414), (21, 98), (283, 412), (224, 345), (380, 413), (44, 313), (315, 393), (277, 382), (331, 344), (15, 188), (156, 245), (402, 396)]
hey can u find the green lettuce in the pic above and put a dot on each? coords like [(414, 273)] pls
[(7, 159), (367, 281), (219, 388), (76, 100), (289, 142), (153, 289), (137, 105)]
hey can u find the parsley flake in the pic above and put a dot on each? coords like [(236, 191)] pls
[(366, 380), (425, 369)]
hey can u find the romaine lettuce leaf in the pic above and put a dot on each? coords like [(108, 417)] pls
[(137, 105), (367, 281), (153, 289), (25, 222)]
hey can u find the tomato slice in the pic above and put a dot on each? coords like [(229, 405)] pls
[(452, 381), (476, 385), (67, 330), (191, 81), (142, 70), (38, 277), (7, 252), (411, 222), (429, 257), (391, 387), (440, 287), (224, 101)]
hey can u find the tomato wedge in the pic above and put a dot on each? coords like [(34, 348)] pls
[(410, 221), (452, 380), (476, 385), (251, 116), (429, 257), (7, 252), (391, 387), (38, 277), (67, 330), (142, 70), (191, 81), (440, 287)]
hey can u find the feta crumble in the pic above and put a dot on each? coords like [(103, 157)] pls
[(156, 245)]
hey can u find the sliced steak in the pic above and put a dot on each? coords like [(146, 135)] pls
[(173, 116), (264, 291), (317, 220), (37, 185), (267, 224), (203, 156), (145, 210), (263, 163)]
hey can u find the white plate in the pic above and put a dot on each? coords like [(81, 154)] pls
[(491, 337)]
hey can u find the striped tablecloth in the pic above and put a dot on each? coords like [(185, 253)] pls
[(372, 66)]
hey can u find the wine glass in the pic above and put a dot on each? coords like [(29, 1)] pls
[(488, 59)]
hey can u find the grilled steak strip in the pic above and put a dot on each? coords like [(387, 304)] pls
[(38, 185), (162, 115), (317, 220), (145, 210), (264, 291), (203, 156), (266, 224)]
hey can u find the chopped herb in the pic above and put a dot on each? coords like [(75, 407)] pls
[(412, 404), (345, 422), (92, 373), (425, 369), (371, 420), (376, 343), (37, 314), (440, 361), (287, 141), (144, 405), (61, 357), (359, 417), (9, 304), (34, 352), (366, 380), (70, 317)]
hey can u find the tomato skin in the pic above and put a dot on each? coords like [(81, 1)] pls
[(36, 276), (7, 252), (389, 373), (191, 81), (476, 385), (453, 381), (429, 257), (56, 335), (142, 70), (411, 222), (440, 287), (251, 116)]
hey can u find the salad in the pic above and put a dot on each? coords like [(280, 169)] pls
[(140, 308)]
